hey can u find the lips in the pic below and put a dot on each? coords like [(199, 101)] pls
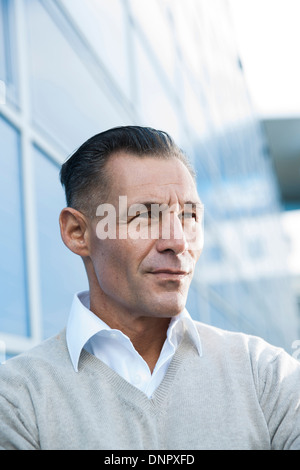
[(169, 275), (175, 272)]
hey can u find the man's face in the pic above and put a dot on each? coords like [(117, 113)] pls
[(146, 270)]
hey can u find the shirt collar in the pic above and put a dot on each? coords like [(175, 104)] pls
[(83, 325)]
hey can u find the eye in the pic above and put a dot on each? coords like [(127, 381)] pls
[(145, 214), (191, 215), (188, 216), (141, 215)]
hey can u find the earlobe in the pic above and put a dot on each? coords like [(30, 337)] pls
[(74, 231)]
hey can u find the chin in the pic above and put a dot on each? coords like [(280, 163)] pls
[(167, 308)]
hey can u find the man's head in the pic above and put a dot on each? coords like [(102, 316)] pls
[(142, 275), (84, 175)]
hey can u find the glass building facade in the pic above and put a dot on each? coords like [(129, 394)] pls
[(72, 68)]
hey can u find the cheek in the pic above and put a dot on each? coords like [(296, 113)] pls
[(116, 262), (109, 262), (195, 239)]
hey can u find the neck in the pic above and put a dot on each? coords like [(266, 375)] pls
[(146, 333)]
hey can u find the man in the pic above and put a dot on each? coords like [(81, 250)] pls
[(132, 370)]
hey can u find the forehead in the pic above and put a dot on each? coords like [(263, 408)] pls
[(152, 178)]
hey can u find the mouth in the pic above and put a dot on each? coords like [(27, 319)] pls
[(174, 274)]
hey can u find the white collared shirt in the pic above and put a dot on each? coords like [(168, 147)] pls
[(114, 348)]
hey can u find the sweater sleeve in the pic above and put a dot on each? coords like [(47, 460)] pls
[(18, 430), (280, 401)]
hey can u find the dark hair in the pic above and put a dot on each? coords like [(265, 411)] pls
[(83, 174)]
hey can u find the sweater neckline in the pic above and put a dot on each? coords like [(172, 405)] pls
[(91, 364)]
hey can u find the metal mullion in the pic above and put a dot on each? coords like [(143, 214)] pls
[(46, 147), (17, 120), (11, 115)]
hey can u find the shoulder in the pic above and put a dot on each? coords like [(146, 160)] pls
[(233, 339), (48, 355), (240, 347), (24, 382), (249, 358)]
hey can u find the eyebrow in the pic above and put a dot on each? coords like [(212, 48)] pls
[(194, 203), (148, 204)]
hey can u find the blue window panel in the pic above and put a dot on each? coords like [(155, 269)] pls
[(98, 18), (192, 303), (13, 312), (69, 103), (219, 318), (61, 271)]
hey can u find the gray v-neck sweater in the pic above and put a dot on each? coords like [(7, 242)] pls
[(240, 394)]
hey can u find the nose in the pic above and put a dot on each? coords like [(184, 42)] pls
[(172, 236)]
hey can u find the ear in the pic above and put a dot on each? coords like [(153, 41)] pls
[(74, 231)]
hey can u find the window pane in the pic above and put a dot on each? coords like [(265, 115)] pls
[(146, 14), (61, 272), (105, 25), (158, 110), (13, 312), (70, 97)]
